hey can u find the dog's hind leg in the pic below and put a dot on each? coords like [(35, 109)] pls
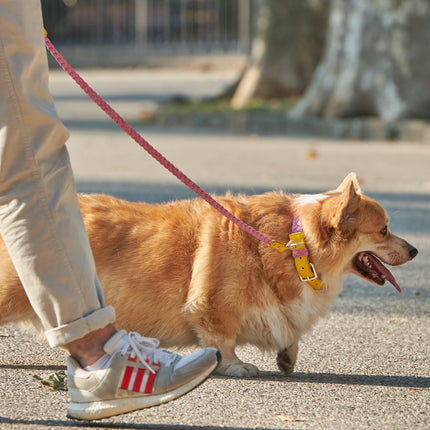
[(14, 304)]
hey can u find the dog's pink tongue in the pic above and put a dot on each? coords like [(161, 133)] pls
[(388, 275), (390, 278)]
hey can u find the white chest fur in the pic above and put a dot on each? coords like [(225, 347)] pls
[(278, 326)]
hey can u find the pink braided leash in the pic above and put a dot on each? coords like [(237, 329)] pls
[(121, 122)]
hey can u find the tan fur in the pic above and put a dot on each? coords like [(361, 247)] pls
[(182, 273)]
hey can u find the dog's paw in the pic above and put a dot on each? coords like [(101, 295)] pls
[(238, 369), (285, 361)]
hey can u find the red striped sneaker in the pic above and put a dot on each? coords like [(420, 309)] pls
[(139, 375)]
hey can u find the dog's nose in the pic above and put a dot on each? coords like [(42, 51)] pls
[(413, 252)]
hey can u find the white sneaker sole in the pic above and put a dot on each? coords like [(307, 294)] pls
[(108, 408)]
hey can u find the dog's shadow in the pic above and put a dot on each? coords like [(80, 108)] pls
[(342, 379)]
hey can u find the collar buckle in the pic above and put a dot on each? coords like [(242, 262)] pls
[(309, 278)]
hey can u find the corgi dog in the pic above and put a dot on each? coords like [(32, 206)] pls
[(183, 273)]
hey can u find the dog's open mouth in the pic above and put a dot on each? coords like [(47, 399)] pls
[(371, 268)]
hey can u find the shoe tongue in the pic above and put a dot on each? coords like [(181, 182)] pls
[(116, 342)]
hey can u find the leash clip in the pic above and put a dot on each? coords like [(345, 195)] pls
[(281, 246), (294, 245)]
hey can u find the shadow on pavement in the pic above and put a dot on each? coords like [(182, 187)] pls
[(111, 425), (417, 382), (41, 367)]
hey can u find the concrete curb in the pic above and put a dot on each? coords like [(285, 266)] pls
[(279, 123)]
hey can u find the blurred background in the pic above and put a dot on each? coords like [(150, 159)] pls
[(136, 29), (312, 58)]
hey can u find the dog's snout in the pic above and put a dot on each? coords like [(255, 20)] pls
[(413, 252)]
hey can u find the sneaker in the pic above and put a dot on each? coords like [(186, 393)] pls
[(138, 375)]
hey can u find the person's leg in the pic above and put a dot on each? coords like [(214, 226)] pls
[(89, 348), (40, 220)]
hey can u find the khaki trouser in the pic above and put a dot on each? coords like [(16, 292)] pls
[(40, 220)]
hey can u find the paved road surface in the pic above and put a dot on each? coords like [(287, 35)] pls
[(364, 366)]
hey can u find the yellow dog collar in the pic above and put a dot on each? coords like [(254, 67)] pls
[(304, 267)]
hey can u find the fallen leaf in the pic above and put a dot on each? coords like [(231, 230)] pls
[(57, 381), (146, 115), (399, 319), (291, 419), (311, 154)]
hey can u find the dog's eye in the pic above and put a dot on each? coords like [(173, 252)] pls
[(384, 231)]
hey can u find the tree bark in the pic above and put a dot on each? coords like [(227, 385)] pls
[(376, 62), (287, 47)]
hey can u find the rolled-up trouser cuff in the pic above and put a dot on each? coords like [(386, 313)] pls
[(76, 329)]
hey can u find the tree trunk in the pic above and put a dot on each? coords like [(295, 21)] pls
[(376, 62), (286, 49)]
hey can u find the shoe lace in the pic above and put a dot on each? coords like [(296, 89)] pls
[(146, 349)]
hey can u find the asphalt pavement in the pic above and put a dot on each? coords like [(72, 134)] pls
[(364, 366)]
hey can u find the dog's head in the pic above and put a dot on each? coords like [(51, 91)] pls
[(353, 235)]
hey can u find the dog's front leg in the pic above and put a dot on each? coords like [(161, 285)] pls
[(230, 364), (287, 357)]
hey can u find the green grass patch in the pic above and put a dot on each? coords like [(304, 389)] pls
[(222, 104), (425, 117)]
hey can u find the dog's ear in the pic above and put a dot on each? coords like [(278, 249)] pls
[(340, 212), (351, 178)]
